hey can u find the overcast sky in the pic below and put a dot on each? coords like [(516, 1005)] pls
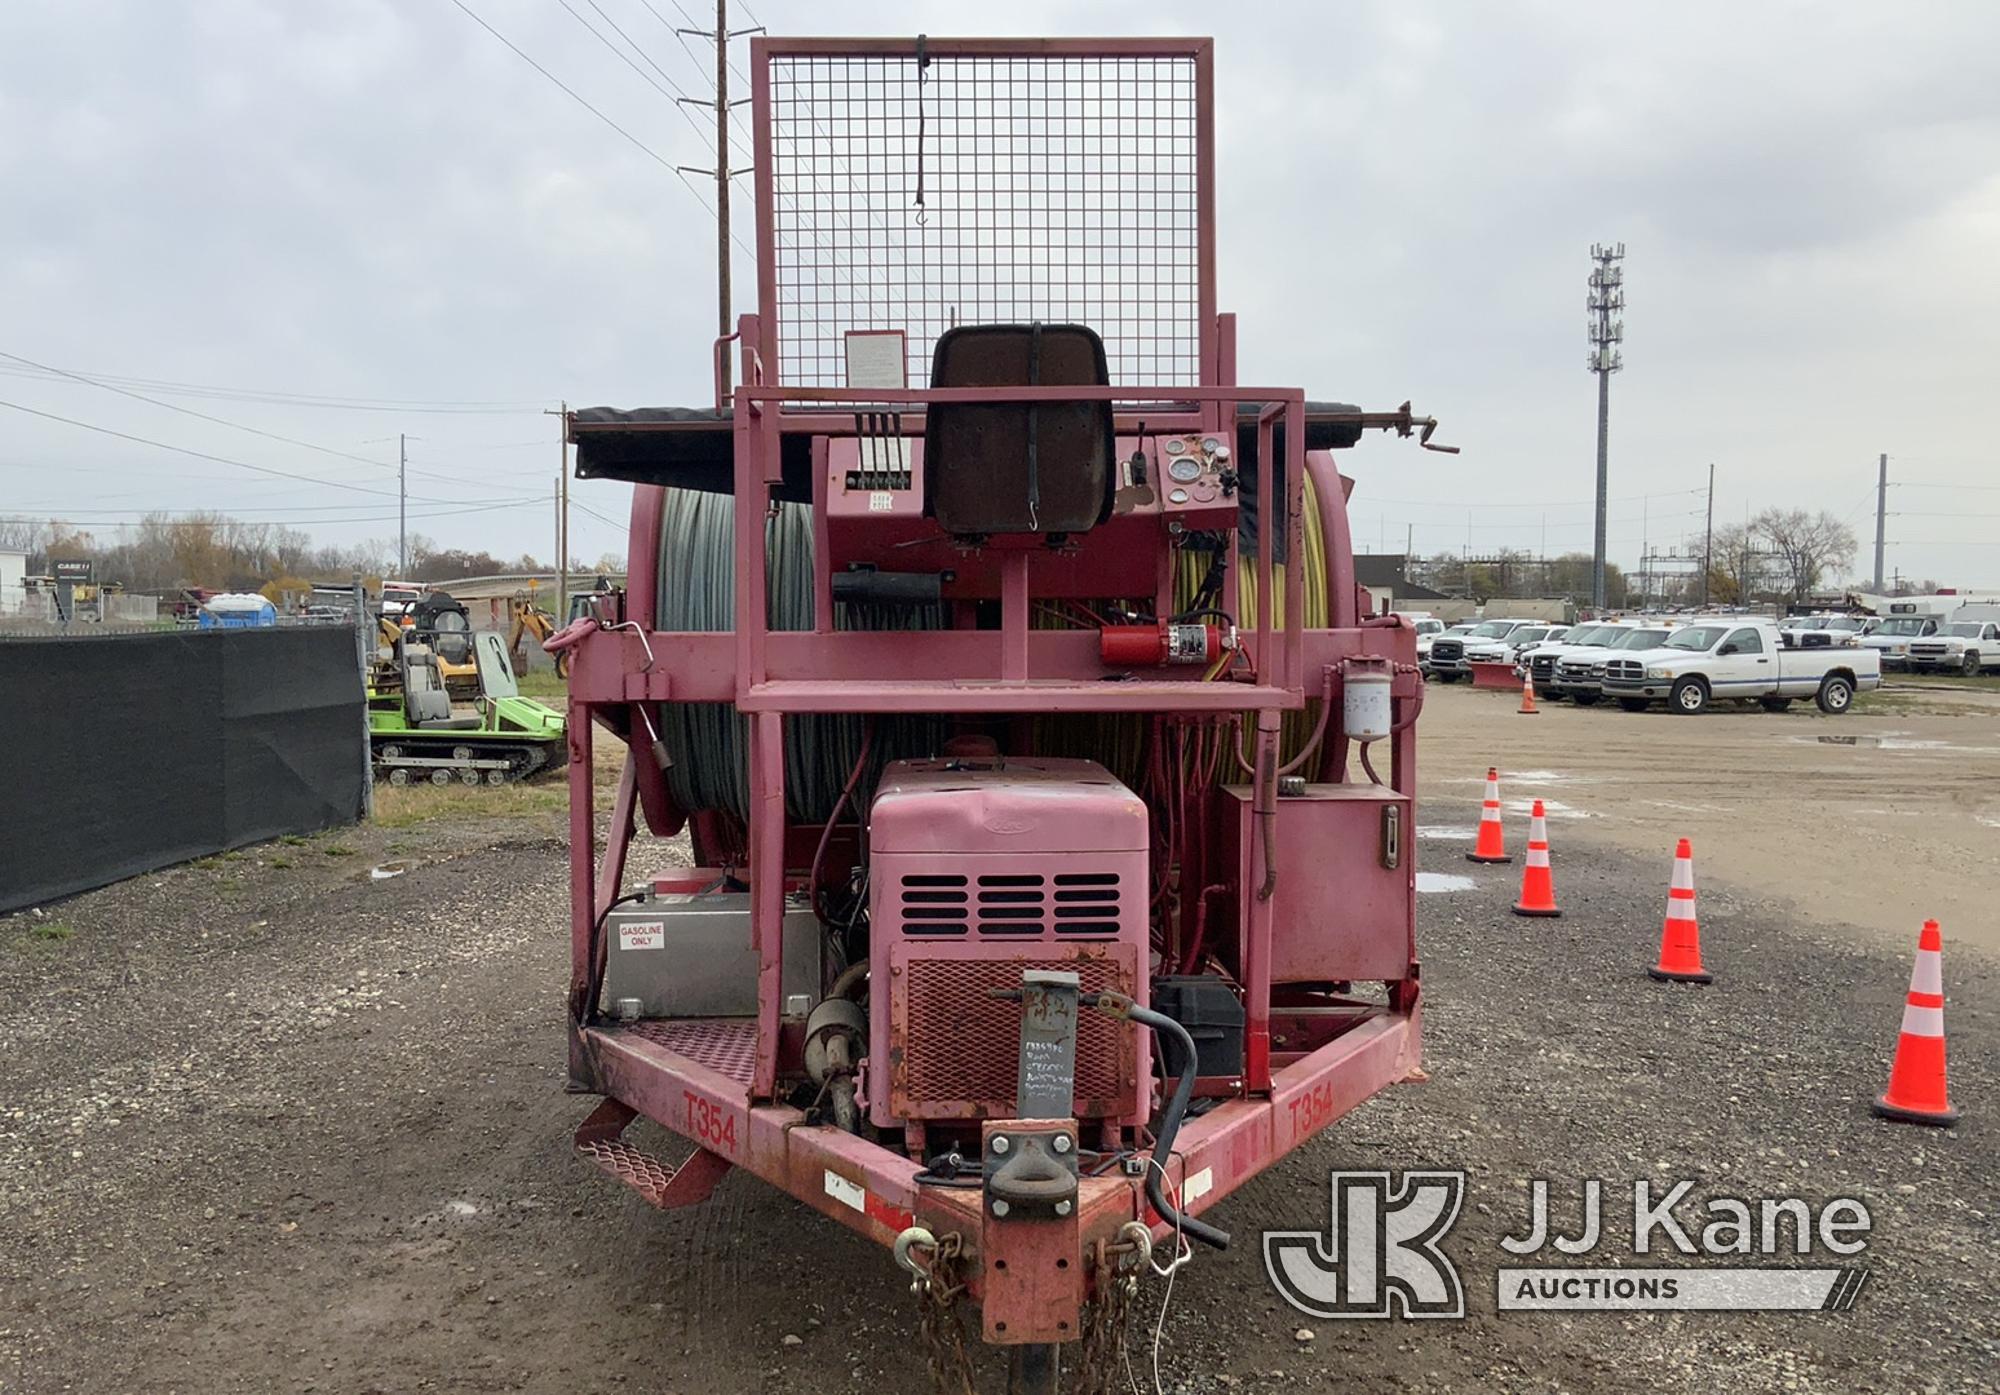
[(378, 201)]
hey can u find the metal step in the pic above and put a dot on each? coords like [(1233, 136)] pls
[(661, 1184)]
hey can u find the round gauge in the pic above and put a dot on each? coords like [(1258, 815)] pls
[(1210, 444), (1204, 494), (1184, 469), (1175, 445), (1221, 452), (1179, 496)]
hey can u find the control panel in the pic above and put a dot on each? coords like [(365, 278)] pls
[(1197, 474)]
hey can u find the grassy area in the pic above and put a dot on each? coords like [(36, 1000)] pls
[(1937, 680), (52, 932), (404, 806), (544, 683)]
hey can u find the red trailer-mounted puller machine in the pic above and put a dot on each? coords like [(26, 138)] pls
[(1047, 886)]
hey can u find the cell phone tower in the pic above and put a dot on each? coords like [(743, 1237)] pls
[(1607, 301)]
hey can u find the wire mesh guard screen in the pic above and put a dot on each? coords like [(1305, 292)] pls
[(986, 189)]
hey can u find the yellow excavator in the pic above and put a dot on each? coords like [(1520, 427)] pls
[(531, 622)]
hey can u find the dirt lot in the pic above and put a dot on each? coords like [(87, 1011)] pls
[(271, 1124), (1874, 819)]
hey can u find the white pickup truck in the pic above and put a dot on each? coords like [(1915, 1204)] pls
[(1894, 636), (1749, 662), (1964, 646)]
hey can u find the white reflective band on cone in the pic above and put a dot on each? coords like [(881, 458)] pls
[(1683, 874), (1928, 976), (1681, 908), (1537, 857), (1923, 1021)]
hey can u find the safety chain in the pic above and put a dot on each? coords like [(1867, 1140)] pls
[(937, 1280), (1116, 1281)]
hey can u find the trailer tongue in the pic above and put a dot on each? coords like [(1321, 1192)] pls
[(1027, 724)]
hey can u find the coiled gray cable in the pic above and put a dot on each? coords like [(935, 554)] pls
[(709, 741)]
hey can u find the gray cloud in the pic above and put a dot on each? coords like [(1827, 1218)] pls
[(378, 200)]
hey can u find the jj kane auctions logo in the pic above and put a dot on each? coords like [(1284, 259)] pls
[(1380, 1254)]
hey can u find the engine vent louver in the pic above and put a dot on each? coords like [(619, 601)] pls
[(1073, 905)]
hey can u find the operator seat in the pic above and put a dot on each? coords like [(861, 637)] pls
[(1019, 467), (425, 701)]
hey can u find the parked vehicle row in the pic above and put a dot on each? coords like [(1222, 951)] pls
[(1454, 651), (1699, 664), (1685, 662), (1690, 661)]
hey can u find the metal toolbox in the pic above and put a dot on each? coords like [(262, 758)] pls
[(682, 955)]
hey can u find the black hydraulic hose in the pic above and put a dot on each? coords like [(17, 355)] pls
[(1165, 1027)]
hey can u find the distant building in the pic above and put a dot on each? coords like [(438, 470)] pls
[(13, 577), (1389, 589)]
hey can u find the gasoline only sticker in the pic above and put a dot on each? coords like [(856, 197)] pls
[(642, 934)]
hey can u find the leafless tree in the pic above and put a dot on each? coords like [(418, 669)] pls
[(1806, 546)]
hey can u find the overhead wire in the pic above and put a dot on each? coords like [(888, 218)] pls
[(238, 464), (204, 416), (299, 399), (195, 518), (199, 454), (671, 92), (571, 92)]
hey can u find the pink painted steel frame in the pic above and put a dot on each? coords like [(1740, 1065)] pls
[(769, 675)]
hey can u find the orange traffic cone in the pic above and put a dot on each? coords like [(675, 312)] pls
[(1527, 707), (1538, 884), (1916, 1093), (1492, 844), (1680, 937)]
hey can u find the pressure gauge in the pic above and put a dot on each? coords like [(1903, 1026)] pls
[(1179, 496), (1210, 445), (1175, 445), (1184, 469)]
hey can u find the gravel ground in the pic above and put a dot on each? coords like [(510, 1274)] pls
[(288, 1128)]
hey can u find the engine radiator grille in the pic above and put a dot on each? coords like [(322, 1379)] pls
[(944, 1061), (1070, 905)]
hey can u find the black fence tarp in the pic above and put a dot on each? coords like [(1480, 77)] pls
[(131, 752)]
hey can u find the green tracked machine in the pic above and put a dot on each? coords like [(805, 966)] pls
[(421, 730)]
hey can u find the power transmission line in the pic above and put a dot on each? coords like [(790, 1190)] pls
[(292, 399), (198, 454), (671, 92), (191, 412), (195, 516), (601, 518), (645, 149)]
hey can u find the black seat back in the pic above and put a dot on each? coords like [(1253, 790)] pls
[(1019, 467)]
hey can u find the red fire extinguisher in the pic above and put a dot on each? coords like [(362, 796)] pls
[(1161, 643)]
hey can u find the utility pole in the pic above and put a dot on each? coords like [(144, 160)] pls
[(402, 507), (561, 414), (1708, 536), (722, 181), (1881, 517), (722, 172), (1607, 298)]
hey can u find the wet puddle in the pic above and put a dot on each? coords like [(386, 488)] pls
[(1893, 741), (1552, 808), (1444, 832), (1444, 881)]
